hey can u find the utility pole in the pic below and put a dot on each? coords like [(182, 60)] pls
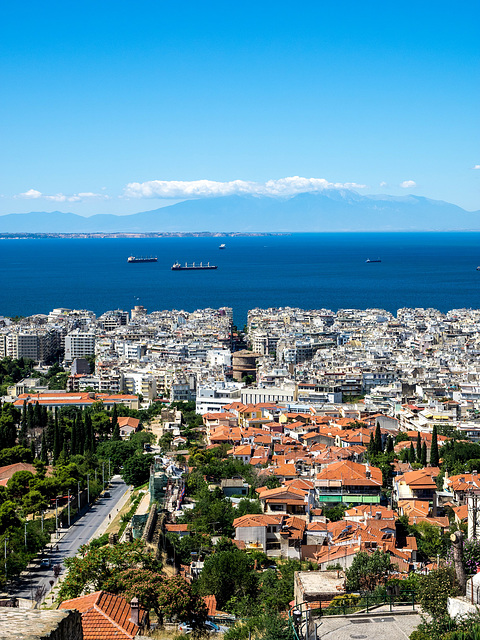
[(103, 473), (78, 488), (56, 515), (69, 507), (43, 513), (6, 540), (109, 476), (25, 534), (88, 488)]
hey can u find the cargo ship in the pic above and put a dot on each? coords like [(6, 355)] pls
[(141, 259), (193, 267)]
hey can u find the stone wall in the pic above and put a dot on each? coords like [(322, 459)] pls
[(34, 624)]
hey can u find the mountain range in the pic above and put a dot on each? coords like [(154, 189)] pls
[(330, 210)]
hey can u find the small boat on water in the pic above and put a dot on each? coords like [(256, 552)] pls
[(141, 259), (368, 260), (193, 267), (222, 246), (478, 268)]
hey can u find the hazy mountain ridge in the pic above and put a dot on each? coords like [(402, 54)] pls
[(335, 210)]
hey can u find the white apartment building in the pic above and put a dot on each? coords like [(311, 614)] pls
[(211, 398), (79, 344)]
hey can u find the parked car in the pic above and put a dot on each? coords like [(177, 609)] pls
[(45, 563), (209, 627)]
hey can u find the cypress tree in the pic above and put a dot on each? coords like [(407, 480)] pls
[(411, 454), (434, 456), (80, 434), (24, 416), (73, 441), (389, 445), (44, 417), (419, 447), (37, 415), (114, 424), (30, 417), (56, 440), (32, 448), (424, 454), (44, 452), (50, 430), (371, 446), (378, 439)]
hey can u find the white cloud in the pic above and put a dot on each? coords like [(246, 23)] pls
[(210, 189), (383, 184), (477, 166), (33, 194), (408, 184)]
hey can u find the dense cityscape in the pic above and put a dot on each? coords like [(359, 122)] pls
[(327, 456)]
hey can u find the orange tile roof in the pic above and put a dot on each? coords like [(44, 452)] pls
[(351, 473), (105, 616)]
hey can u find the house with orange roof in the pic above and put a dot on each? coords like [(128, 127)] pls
[(249, 413), (85, 400), (285, 472), (275, 535), (364, 512), (354, 437), (287, 500), (348, 481), (461, 485), (414, 508), (242, 452), (461, 514), (225, 435), (127, 426), (417, 485), (109, 617)]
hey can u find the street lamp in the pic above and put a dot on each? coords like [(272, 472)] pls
[(68, 508), (25, 534), (56, 516), (78, 489), (88, 488)]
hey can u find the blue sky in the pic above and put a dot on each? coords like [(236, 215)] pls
[(116, 107)]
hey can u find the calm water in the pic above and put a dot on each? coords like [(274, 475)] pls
[(305, 270)]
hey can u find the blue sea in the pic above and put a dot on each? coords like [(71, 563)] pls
[(305, 270)]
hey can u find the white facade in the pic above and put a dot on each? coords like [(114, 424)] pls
[(79, 344)]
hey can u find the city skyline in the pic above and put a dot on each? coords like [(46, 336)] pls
[(109, 110)]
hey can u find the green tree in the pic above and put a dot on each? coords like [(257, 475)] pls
[(411, 454), (369, 571), (18, 485), (419, 447), (434, 455), (389, 447), (434, 590), (228, 574), (94, 566), (136, 470), (34, 502), (423, 458), (378, 439)]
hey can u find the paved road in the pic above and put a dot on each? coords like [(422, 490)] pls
[(70, 540)]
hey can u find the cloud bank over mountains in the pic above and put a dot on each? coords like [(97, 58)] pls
[(284, 187), (206, 189)]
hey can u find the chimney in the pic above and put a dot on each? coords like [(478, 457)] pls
[(135, 611)]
